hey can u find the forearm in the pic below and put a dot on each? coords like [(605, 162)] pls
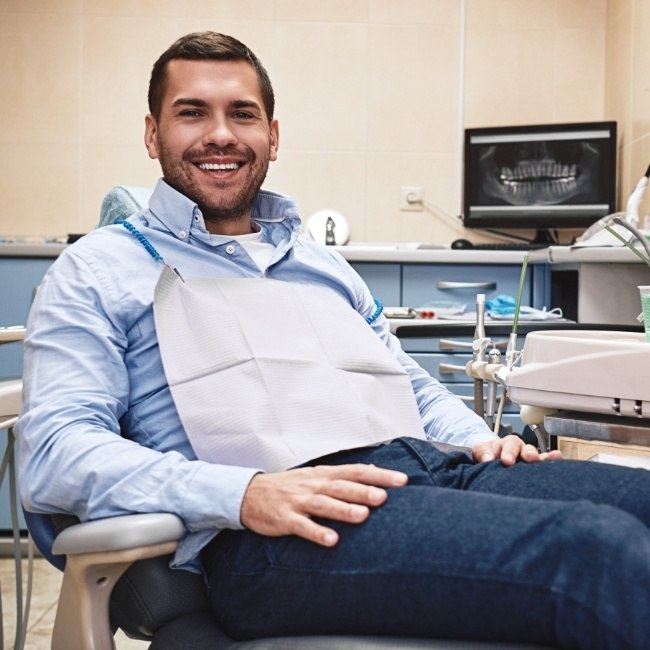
[(78, 391)]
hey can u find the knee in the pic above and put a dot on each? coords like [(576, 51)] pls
[(606, 542)]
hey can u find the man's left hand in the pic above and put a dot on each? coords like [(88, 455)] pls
[(508, 450)]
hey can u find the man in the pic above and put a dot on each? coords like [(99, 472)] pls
[(395, 537)]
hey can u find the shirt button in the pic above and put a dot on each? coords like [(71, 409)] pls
[(230, 249), (182, 234)]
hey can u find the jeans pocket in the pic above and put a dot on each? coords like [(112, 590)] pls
[(242, 553)]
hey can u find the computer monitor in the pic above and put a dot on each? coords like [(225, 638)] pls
[(543, 177)]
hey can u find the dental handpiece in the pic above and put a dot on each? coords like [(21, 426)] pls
[(478, 352), (633, 203)]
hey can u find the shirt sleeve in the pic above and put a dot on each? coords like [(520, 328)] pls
[(73, 455)]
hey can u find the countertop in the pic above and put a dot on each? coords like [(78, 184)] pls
[(410, 254)]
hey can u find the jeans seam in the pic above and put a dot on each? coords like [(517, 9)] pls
[(420, 458)]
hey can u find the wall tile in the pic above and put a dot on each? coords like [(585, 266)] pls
[(582, 13), (640, 74), (39, 74), (41, 6), (413, 88), (39, 184), (616, 7), (509, 76), (322, 92), (342, 11), (579, 83), (242, 9), (512, 14), (417, 12), (639, 161)]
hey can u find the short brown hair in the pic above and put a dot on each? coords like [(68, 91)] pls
[(207, 45)]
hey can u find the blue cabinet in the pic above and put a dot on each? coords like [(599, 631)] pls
[(383, 279), (416, 284), (19, 279), (459, 283)]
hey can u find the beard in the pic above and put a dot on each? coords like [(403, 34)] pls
[(218, 200)]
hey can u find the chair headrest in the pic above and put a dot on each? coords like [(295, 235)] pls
[(121, 202)]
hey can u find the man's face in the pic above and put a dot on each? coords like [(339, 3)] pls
[(213, 139)]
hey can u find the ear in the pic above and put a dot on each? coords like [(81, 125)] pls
[(150, 135), (275, 140)]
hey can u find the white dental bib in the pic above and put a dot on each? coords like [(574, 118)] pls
[(272, 374)]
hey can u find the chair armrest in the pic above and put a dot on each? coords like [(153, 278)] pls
[(97, 554), (119, 533)]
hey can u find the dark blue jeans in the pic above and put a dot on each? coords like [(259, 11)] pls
[(555, 553)]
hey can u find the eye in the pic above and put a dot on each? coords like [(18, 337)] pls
[(243, 115), (190, 112)]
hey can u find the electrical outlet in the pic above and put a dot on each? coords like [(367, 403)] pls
[(411, 199)]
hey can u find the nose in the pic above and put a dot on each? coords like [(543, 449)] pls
[(219, 133)]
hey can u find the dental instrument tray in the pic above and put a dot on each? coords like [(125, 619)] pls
[(590, 371)]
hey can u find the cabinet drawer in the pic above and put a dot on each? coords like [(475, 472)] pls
[(446, 368), (422, 283), (383, 280)]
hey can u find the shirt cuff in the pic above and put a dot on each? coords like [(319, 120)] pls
[(214, 496)]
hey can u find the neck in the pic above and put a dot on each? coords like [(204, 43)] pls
[(244, 226)]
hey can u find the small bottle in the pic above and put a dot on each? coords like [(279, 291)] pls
[(330, 240)]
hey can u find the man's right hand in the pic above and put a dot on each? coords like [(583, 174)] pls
[(284, 503)]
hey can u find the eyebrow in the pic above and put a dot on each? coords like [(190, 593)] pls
[(200, 103)]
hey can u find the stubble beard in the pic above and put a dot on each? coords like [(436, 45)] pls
[(218, 204)]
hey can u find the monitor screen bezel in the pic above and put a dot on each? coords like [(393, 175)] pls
[(539, 217)]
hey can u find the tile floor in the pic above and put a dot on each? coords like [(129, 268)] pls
[(43, 607)]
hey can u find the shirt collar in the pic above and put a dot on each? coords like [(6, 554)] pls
[(180, 215)]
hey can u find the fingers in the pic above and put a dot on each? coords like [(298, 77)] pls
[(509, 449), (284, 503), (359, 473)]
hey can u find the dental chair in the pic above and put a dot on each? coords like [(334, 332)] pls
[(117, 575)]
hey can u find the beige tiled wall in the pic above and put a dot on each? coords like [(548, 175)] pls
[(628, 90), (368, 95)]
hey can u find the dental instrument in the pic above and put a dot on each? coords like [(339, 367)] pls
[(633, 203)]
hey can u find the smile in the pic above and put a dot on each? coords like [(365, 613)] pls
[(219, 166)]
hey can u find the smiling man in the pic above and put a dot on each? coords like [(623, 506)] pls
[(214, 139), (306, 515)]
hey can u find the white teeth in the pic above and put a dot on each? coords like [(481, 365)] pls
[(219, 166)]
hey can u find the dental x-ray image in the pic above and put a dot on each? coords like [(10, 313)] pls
[(539, 173), (546, 176)]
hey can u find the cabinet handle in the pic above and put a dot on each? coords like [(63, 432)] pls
[(450, 344), (466, 285), (448, 368)]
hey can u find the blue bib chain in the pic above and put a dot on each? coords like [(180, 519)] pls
[(375, 315), (147, 245), (141, 238), (158, 257)]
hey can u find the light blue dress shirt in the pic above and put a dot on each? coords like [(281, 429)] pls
[(99, 434)]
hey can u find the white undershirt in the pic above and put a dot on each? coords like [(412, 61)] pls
[(260, 251)]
